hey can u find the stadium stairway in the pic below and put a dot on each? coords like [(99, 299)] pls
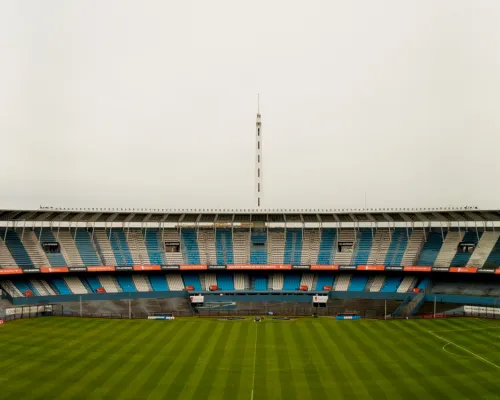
[(326, 251), (358, 283), (291, 281), (109, 284), (224, 246), (277, 281), (103, 247), (375, 283), (307, 280), (61, 286), (172, 236), (397, 247), (241, 281), (391, 284), (207, 280), (11, 289), (431, 248), (118, 241), (462, 258), (33, 248), (75, 285), (154, 247), (449, 249), (86, 248), (258, 252), (6, 259), (345, 257), (206, 244), (126, 283), (42, 287), (260, 283), (342, 283), (16, 249), (189, 246), (137, 247), (494, 257), (141, 283), (310, 246), (68, 248), (407, 284), (225, 281), (380, 247), (414, 247), (241, 246), (175, 282), (483, 249), (45, 235), (192, 279), (363, 246), (276, 247), (324, 280), (159, 283)]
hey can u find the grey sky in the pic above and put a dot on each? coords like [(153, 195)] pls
[(152, 103)]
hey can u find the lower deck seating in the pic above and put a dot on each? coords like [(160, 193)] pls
[(225, 281), (158, 282), (192, 279), (94, 283), (324, 280), (126, 283), (61, 286), (260, 283), (358, 283), (391, 284), (291, 281)]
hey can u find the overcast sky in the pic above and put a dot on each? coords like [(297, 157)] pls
[(132, 103)]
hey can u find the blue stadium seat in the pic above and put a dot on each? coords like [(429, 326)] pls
[(494, 257), (424, 284), (357, 283), (45, 235), (190, 244), (24, 286), (225, 281), (16, 248), (293, 246), (258, 248), (93, 282), (61, 286), (152, 239), (291, 281), (461, 259), (364, 246), (224, 246), (86, 248), (324, 280), (158, 283), (431, 249), (126, 283), (326, 246), (391, 284), (120, 247), (397, 247), (192, 279), (260, 283)]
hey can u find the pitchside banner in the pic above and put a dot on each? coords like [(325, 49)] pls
[(303, 267), (216, 267), (197, 299), (268, 267), (320, 299)]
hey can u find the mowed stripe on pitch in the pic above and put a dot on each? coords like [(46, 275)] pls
[(195, 358)]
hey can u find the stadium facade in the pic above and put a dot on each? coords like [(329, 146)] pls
[(376, 254)]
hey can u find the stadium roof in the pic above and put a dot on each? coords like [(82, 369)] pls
[(142, 215)]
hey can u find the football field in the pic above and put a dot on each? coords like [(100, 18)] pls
[(74, 358)]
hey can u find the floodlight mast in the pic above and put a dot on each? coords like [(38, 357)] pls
[(259, 187)]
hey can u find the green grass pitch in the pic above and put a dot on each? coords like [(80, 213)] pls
[(73, 358)]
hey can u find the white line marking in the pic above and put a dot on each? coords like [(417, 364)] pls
[(464, 349), (467, 329), (254, 359), (453, 354)]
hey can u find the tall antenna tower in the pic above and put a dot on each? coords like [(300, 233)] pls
[(259, 188)]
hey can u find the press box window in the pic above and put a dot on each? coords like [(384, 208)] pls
[(51, 247)]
